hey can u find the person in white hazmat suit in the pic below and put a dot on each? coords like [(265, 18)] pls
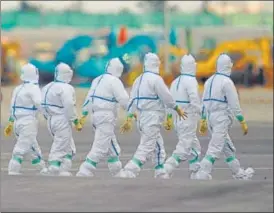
[(184, 90), (25, 104), (220, 105), (150, 96), (59, 108), (106, 92)]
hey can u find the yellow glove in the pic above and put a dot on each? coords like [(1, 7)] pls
[(181, 112), (168, 124), (83, 119), (203, 127), (78, 126), (244, 127), (127, 125), (8, 129)]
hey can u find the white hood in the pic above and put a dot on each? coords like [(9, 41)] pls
[(188, 65), (63, 73), (29, 73), (152, 63), (224, 64), (115, 67)]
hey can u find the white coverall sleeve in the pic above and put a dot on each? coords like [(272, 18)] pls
[(164, 94), (193, 94), (11, 118), (36, 97), (203, 110), (172, 92), (68, 98), (131, 107), (232, 98), (120, 93), (85, 106)]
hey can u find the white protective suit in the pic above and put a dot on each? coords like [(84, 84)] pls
[(58, 102), (150, 96), (106, 92), (184, 90), (25, 103), (220, 105)]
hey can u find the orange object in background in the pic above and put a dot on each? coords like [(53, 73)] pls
[(10, 61), (123, 36)]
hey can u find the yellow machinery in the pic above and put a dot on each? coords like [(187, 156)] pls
[(244, 53), (255, 54), (267, 60)]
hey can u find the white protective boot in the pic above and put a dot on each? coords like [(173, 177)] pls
[(193, 169), (86, 169), (131, 170), (160, 172), (65, 167), (204, 173), (114, 166), (53, 169), (14, 167), (244, 174), (171, 163), (237, 172), (40, 164)]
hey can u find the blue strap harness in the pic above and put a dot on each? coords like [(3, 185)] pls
[(177, 87), (14, 106), (138, 97), (47, 105), (210, 90), (93, 96)]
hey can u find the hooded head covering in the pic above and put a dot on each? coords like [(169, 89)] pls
[(29, 73), (63, 73), (188, 65), (152, 63), (224, 64), (115, 67)]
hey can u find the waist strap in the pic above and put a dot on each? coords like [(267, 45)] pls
[(214, 99), (52, 105), (183, 102), (26, 108), (105, 99)]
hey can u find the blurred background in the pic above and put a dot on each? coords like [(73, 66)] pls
[(86, 34)]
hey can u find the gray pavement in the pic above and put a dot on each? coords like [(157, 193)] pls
[(30, 192)]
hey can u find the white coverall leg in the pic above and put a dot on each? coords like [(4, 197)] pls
[(63, 148), (104, 144), (220, 142), (151, 143), (188, 147), (233, 163), (26, 132)]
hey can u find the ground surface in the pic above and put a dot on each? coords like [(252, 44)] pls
[(103, 193)]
